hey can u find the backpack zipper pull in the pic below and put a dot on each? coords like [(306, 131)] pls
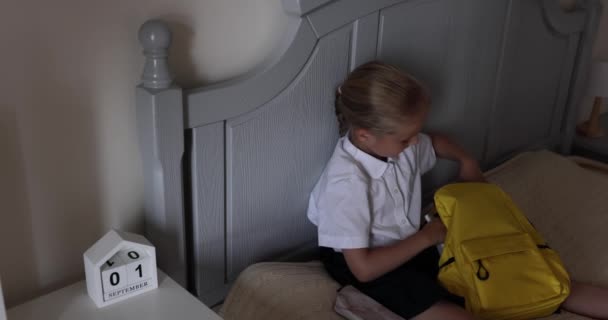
[(482, 273)]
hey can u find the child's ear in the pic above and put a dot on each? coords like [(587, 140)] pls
[(363, 135)]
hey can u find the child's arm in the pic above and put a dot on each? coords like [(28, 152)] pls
[(368, 264), (445, 148)]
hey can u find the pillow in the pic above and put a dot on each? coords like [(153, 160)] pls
[(282, 290), (567, 204)]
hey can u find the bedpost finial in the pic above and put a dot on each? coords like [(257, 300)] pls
[(155, 37)]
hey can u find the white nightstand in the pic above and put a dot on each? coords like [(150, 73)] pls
[(168, 302)]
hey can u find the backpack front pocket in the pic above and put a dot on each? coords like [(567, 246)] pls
[(507, 271)]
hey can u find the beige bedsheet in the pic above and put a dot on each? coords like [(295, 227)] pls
[(567, 203)]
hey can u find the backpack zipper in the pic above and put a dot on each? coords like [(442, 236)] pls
[(445, 264), (452, 259)]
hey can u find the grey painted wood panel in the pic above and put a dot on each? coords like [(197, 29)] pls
[(208, 208), (161, 135), (340, 13), (424, 55), (561, 100), (364, 40), (427, 48), (534, 62), (302, 7), (241, 95), (561, 21), (275, 156), (454, 52)]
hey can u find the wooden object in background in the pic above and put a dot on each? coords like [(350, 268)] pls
[(593, 148), (591, 128), (598, 88)]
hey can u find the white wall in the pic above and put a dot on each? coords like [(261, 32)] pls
[(70, 167)]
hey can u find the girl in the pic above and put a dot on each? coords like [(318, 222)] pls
[(367, 202)]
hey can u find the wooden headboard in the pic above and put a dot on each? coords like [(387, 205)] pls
[(229, 167)]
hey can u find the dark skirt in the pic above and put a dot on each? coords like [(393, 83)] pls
[(407, 291)]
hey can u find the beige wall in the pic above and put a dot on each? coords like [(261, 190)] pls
[(70, 167)]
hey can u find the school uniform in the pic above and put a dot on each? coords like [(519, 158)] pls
[(364, 202)]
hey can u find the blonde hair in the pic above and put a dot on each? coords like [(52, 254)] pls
[(378, 96)]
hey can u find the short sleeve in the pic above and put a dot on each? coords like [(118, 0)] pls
[(425, 154), (344, 215)]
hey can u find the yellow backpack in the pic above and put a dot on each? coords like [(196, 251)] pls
[(494, 257)]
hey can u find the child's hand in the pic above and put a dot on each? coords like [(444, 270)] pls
[(470, 171), (435, 231)]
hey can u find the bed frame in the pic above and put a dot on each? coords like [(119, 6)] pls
[(229, 167)]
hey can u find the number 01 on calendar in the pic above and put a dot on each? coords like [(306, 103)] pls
[(118, 266)]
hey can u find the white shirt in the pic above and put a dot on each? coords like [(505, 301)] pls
[(363, 202)]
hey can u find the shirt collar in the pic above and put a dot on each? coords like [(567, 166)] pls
[(374, 167)]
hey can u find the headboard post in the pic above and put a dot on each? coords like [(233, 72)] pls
[(160, 121), (155, 38)]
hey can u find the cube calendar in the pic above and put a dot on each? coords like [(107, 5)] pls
[(118, 266)]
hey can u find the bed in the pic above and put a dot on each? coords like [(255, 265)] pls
[(228, 167)]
